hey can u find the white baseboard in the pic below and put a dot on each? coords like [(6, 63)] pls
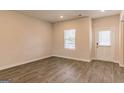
[(85, 60), (121, 65), (21, 63), (105, 60)]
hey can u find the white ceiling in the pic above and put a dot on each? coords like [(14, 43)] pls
[(54, 15)]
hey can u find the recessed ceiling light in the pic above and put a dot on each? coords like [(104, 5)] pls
[(102, 10), (61, 16)]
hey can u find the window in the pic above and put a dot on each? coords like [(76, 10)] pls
[(69, 39), (105, 38)]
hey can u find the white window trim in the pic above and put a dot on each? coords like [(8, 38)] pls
[(110, 38), (64, 40), (105, 29)]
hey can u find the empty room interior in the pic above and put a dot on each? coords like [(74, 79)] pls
[(62, 46)]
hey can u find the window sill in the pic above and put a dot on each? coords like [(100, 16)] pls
[(70, 48)]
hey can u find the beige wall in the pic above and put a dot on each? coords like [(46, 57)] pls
[(23, 39), (121, 44), (83, 46), (121, 39), (107, 22)]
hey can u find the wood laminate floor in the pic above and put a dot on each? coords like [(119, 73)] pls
[(60, 70)]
